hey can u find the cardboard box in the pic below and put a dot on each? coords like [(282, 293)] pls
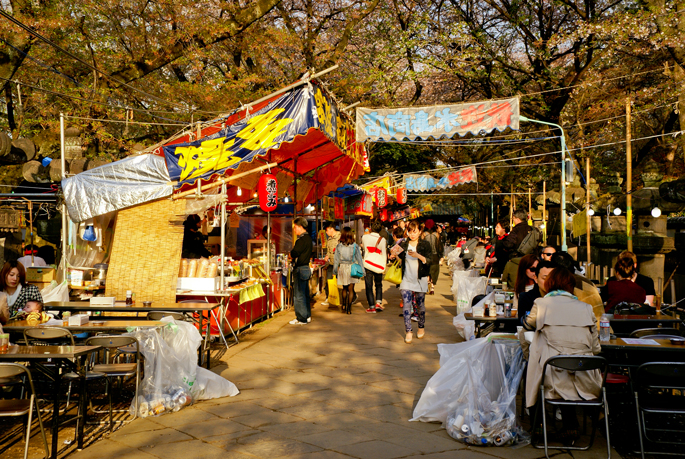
[(40, 274), (78, 319), (102, 301), (198, 284)]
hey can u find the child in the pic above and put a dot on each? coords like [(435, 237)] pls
[(33, 306)]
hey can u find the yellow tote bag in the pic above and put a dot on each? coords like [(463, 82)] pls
[(333, 293), (394, 273)]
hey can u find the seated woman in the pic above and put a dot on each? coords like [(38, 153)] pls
[(13, 284), (563, 325), (525, 276), (623, 289)]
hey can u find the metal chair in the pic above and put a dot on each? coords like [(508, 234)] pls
[(575, 363), (22, 407), (657, 333), (159, 315), (116, 370), (48, 335), (654, 384)]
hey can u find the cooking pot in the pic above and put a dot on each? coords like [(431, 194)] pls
[(100, 271)]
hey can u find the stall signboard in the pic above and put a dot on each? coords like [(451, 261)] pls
[(234, 220), (399, 214), (415, 213), (339, 208), (359, 205), (438, 121), (288, 116), (427, 182)]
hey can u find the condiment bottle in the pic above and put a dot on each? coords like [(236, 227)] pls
[(129, 298)]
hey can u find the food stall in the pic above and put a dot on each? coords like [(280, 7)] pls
[(298, 135)]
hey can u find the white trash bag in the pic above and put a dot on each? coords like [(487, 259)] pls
[(467, 289), (474, 392)]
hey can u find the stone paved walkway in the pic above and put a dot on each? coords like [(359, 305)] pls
[(343, 386)]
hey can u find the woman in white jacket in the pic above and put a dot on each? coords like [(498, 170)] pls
[(375, 260)]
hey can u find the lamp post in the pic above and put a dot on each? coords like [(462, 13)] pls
[(564, 247)]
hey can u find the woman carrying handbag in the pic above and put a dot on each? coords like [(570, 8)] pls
[(416, 261), (347, 254)]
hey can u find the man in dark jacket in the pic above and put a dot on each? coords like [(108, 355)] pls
[(300, 256), (518, 233)]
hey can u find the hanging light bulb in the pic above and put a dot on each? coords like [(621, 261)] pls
[(656, 212), (254, 195), (286, 199), (617, 211), (590, 212), (239, 192)]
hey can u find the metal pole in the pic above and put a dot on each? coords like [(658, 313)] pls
[(564, 246), (588, 224), (63, 262), (629, 182), (544, 210), (268, 262), (222, 249), (492, 215)]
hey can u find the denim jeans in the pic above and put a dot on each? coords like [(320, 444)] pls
[(370, 279), (303, 309), (329, 276)]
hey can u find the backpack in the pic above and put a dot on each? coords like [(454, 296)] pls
[(530, 242)]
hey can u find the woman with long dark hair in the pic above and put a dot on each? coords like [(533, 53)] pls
[(525, 277), (17, 292), (347, 253)]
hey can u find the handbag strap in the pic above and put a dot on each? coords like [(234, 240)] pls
[(378, 241)]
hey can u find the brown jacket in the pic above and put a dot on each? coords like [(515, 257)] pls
[(563, 326)]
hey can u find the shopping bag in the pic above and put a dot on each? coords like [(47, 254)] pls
[(356, 269), (333, 293), (394, 273)]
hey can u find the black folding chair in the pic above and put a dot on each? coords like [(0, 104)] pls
[(657, 333), (660, 394), (575, 363), (22, 407)]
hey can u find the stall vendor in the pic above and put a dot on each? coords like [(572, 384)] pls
[(17, 291), (193, 240)]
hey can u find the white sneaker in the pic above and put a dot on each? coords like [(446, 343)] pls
[(309, 319), (324, 303), (297, 322)]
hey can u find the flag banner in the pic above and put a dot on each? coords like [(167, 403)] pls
[(439, 121), (427, 182)]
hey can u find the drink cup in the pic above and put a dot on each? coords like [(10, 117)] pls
[(4, 342)]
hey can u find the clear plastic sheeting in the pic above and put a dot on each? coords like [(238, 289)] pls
[(474, 392), (172, 379), (81, 253), (125, 183), (196, 206)]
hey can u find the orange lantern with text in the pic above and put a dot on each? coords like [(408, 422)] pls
[(384, 215), (267, 189), (381, 197), (401, 195)]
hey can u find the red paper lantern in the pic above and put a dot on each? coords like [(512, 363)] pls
[(401, 195), (268, 192), (381, 197), (384, 215)]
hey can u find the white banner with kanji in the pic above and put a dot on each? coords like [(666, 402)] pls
[(439, 121)]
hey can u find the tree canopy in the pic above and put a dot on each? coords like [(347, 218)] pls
[(109, 65)]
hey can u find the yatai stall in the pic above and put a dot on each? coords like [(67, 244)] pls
[(295, 145)]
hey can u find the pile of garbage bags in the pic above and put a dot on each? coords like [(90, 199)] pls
[(172, 379), (474, 392)]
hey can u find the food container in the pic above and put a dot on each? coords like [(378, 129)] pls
[(147, 304), (678, 341), (4, 342)]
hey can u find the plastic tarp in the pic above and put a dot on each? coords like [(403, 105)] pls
[(475, 387), (133, 180)]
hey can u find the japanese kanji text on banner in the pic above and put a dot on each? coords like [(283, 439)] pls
[(437, 121)]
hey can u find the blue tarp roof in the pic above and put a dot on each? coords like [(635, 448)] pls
[(346, 192)]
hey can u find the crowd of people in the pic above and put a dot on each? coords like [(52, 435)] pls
[(419, 246)]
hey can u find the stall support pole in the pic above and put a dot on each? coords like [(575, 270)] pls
[(629, 179), (588, 217), (492, 215), (63, 261), (268, 265), (544, 211), (222, 253)]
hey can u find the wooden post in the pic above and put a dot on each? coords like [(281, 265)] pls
[(629, 182), (511, 209), (544, 210), (530, 203), (587, 209)]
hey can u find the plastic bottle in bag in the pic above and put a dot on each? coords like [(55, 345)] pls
[(604, 328)]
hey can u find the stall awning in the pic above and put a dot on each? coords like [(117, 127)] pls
[(303, 131)]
